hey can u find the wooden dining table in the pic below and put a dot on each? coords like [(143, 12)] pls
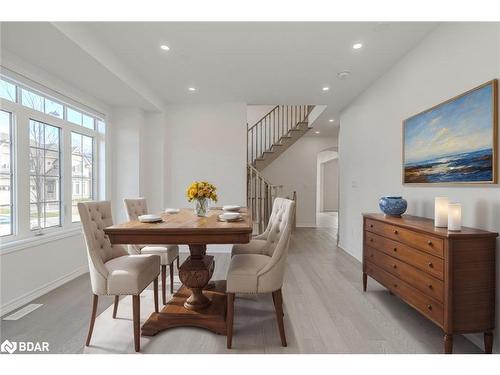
[(195, 303)]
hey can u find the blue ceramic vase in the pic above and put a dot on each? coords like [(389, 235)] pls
[(393, 206)]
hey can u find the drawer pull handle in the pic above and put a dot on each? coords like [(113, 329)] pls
[(431, 265), (395, 231), (394, 266), (395, 285), (430, 286), (429, 243), (429, 307), (395, 249), (371, 225), (371, 239)]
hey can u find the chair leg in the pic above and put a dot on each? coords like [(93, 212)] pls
[(155, 292), (115, 308), (178, 262), (278, 297), (229, 319), (274, 302), (92, 318), (136, 312), (163, 283), (172, 278)]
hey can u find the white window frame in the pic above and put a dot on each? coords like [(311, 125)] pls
[(21, 116), (12, 178)]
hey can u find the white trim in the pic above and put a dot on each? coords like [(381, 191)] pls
[(306, 225), (34, 241), (40, 291)]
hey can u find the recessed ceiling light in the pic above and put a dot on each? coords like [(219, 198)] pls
[(192, 88), (316, 132), (331, 120), (165, 47), (326, 88), (357, 45)]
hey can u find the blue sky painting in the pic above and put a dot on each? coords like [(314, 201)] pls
[(452, 142)]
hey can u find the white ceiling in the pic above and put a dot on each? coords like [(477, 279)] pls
[(257, 63)]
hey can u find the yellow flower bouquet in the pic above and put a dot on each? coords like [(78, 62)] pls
[(201, 192)]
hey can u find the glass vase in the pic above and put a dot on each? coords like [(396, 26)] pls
[(201, 207)]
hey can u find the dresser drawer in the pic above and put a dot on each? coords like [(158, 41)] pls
[(413, 276), (424, 304), (427, 243), (424, 261)]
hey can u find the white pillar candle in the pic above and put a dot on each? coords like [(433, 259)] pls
[(441, 212), (455, 216)]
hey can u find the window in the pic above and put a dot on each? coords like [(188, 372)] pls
[(6, 207), (56, 164), (7, 91), (31, 100), (54, 108), (45, 175), (82, 163)]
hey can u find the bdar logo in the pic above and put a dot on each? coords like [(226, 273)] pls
[(8, 347)]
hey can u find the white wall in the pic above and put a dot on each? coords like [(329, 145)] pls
[(451, 60), (205, 142), (296, 170), (126, 138)]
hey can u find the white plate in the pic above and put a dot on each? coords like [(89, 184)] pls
[(149, 218), (231, 208), (172, 210), (240, 218), (230, 216)]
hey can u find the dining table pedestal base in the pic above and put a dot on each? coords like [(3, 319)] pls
[(174, 314)]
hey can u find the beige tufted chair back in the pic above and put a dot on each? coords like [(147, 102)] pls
[(271, 276), (135, 208), (275, 220), (95, 216)]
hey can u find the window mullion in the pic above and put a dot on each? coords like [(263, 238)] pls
[(22, 196), (66, 178)]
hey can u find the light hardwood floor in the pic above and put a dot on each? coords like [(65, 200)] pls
[(326, 311)]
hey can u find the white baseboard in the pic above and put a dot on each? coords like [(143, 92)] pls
[(306, 225), (40, 291)]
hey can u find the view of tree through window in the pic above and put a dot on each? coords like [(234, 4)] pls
[(42, 104), (45, 176), (81, 170), (5, 174), (7, 90)]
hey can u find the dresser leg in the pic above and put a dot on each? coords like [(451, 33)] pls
[(448, 343), (488, 342), (365, 281)]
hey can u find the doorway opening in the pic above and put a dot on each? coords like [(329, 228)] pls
[(327, 189)]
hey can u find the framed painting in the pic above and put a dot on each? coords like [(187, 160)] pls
[(455, 142)]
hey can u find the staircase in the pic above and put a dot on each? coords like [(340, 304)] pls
[(274, 133), (267, 139)]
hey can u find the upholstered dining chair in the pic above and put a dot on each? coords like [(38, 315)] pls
[(168, 253), (260, 244), (261, 273), (112, 270)]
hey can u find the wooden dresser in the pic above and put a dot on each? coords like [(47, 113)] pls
[(449, 277)]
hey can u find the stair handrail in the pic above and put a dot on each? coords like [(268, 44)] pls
[(262, 118), (273, 127), (257, 172), (260, 197)]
